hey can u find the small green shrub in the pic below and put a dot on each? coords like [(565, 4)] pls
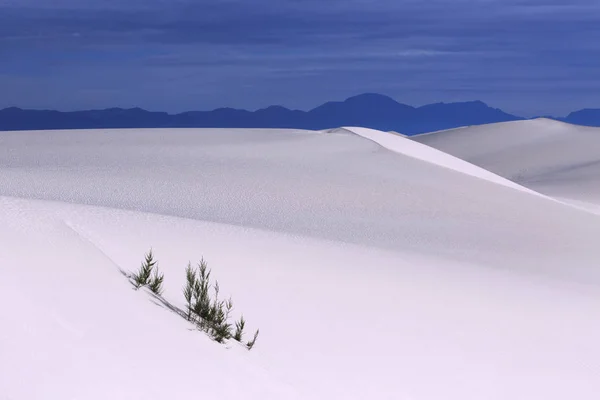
[(239, 329), (155, 283), (201, 296), (188, 290), (221, 328), (211, 315), (142, 277)]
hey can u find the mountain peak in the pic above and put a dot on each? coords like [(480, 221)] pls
[(370, 97), (586, 117), (12, 109), (273, 109)]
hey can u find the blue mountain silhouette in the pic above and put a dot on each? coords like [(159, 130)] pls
[(368, 110), (587, 116)]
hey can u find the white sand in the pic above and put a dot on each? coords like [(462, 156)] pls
[(373, 273), (554, 158)]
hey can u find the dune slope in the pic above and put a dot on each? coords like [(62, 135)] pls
[(554, 158), (371, 273), (335, 186)]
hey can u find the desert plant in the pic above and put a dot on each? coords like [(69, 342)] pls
[(155, 283), (211, 314), (228, 308), (188, 290), (251, 343), (239, 329), (216, 309), (142, 277), (221, 328), (201, 296)]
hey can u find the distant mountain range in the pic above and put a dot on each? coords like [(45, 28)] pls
[(367, 110)]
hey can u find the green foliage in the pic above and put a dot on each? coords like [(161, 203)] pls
[(221, 328), (239, 329), (210, 314), (188, 290), (156, 282), (201, 296), (251, 343), (142, 277)]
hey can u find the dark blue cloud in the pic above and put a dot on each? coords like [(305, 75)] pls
[(526, 56)]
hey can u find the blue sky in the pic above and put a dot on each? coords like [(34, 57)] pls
[(524, 56)]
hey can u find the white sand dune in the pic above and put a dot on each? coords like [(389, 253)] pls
[(426, 153), (338, 186), (554, 158), (376, 268)]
